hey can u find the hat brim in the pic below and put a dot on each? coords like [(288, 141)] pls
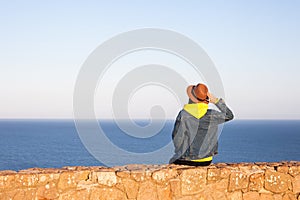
[(190, 95)]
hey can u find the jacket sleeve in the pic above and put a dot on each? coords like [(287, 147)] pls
[(223, 116), (177, 134)]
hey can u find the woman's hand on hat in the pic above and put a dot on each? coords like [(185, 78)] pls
[(212, 98)]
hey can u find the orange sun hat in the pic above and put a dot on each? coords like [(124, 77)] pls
[(198, 93)]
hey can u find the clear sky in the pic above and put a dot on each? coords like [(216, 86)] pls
[(255, 46)]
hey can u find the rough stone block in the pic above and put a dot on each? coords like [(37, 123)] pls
[(191, 198), (217, 195), (164, 192), (213, 174), (140, 175), (266, 197), (237, 195), (237, 181), (163, 175), (294, 170), (175, 185), (193, 180), (277, 197), (289, 196), (48, 191), (147, 191), (66, 180), (106, 178), (283, 169), (7, 182), (8, 195), (107, 194), (251, 196), (220, 185), (82, 175), (25, 194), (75, 195), (131, 188), (224, 172), (277, 182), (26, 180), (44, 178), (123, 174), (256, 181), (296, 184)]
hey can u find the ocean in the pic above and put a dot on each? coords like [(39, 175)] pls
[(56, 143)]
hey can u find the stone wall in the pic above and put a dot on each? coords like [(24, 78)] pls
[(244, 181)]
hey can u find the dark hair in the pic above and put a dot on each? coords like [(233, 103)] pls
[(190, 101)]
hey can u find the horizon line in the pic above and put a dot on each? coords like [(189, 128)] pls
[(167, 119)]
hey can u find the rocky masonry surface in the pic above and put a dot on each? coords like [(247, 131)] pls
[(243, 181)]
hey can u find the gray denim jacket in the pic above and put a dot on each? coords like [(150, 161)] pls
[(198, 138)]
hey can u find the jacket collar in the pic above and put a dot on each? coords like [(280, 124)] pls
[(198, 110)]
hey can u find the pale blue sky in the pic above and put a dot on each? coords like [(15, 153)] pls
[(255, 46)]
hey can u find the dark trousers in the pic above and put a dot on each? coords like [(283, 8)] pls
[(191, 163)]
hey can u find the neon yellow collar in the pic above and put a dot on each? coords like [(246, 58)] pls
[(198, 110), (204, 159)]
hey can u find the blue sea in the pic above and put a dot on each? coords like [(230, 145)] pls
[(56, 143)]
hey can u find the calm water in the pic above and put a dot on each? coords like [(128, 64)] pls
[(50, 143)]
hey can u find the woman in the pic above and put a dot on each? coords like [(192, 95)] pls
[(195, 133)]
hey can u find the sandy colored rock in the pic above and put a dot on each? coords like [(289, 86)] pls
[(25, 194), (237, 195), (140, 175), (221, 185), (26, 180), (277, 197), (266, 197), (277, 182), (217, 195), (237, 181), (256, 181), (82, 175), (140, 172), (131, 188), (193, 180), (283, 169), (7, 182), (289, 196), (175, 186), (224, 172), (163, 175), (44, 178), (106, 178), (8, 195), (107, 194), (296, 184), (164, 192), (123, 174), (213, 174), (48, 191), (190, 198), (294, 170), (7, 172), (66, 180), (75, 195), (86, 184), (147, 191), (251, 196), (269, 181)]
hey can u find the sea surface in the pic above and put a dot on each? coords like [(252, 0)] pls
[(56, 143)]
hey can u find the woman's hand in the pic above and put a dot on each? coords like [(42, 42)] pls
[(212, 98)]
